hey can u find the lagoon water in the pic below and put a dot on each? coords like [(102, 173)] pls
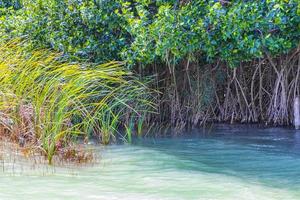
[(225, 163)]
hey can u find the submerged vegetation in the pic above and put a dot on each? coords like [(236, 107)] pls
[(224, 61)]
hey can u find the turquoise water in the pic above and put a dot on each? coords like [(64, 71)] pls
[(224, 163)]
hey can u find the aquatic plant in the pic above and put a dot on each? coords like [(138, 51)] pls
[(45, 103)]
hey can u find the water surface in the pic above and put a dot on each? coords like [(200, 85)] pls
[(224, 163)]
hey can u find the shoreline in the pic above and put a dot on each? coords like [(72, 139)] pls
[(37, 157)]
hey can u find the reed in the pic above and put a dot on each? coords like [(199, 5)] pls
[(46, 103)]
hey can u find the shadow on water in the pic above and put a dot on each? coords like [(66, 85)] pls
[(267, 155)]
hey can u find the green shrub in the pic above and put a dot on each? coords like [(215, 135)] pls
[(146, 31), (231, 31), (82, 29)]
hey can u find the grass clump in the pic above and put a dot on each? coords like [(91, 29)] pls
[(46, 103)]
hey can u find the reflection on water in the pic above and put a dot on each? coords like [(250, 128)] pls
[(226, 163)]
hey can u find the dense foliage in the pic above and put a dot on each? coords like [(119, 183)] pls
[(188, 46), (232, 31), (15, 4), (85, 29), (145, 31)]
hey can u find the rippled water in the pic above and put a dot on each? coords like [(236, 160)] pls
[(225, 163)]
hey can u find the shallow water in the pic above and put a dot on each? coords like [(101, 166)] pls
[(225, 163)]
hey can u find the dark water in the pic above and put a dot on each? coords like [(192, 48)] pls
[(223, 163)]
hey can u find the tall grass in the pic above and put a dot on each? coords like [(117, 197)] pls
[(45, 102)]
